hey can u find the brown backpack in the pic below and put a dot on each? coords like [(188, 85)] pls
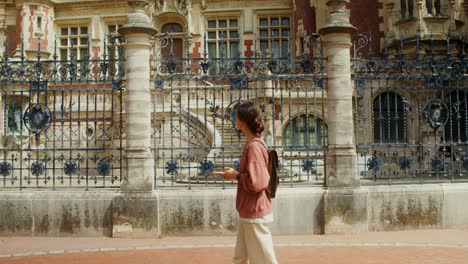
[(273, 171)]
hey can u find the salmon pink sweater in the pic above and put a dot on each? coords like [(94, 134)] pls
[(251, 200)]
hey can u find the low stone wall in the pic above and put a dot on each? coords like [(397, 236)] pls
[(417, 207), (40, 213), (313, 210)]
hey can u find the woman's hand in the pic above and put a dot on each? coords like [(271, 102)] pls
[(229, 174)]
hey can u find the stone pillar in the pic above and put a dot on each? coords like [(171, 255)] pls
[(345, 208), (134, 210), (139, 173), (341, 156), (3, 53)]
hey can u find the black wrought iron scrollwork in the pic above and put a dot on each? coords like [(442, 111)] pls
[(404, 163), (435, 113), (37, 168), (172, 167), (38, 85), (437, 164), (360, 42), (238, 67), (37, 118), (239, 83), (171, 67), (434, 82), (212, 108), (359, 82), (205, 66), (104, 167), (231, 111), (373, 163), (319, 82), (309, 165), (70, 167), (5, 168), (158, 84), (206, 167)]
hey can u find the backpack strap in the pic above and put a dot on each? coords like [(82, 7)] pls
[(261, 141)]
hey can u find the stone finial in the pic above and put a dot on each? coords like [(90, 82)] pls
[(138, 21), (337, 19)]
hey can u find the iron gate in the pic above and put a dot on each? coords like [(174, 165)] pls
[(195, 101), (61, 119), (411, 110)]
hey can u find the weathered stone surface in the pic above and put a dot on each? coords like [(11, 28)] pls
[(298, 211), (345, 210), (405, 207), (311, 210), (16, 214), (454, 211), (205, 212), (135, 215), (56, 213)]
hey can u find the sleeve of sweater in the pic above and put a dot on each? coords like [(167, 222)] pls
[(257, 177)]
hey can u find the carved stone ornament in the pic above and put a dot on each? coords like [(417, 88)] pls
[(2, 23), (204, 4), (162, 6), (435, 113)]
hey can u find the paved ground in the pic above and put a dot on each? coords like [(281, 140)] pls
[(407, 247)]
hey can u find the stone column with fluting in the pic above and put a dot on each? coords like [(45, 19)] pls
[(139, 172), (344, 201), (135, 209)]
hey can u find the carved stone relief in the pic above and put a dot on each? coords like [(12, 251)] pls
[(2, 23), (161, 6)]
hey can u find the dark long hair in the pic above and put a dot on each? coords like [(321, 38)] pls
[(250, 114)]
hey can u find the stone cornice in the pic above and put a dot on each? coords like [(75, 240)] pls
[(85, 5), (50, 3)]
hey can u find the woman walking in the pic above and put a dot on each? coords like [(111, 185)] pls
[(254, 243)]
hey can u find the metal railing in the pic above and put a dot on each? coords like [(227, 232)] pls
[(61, 124), (195, 100), (411, 110)]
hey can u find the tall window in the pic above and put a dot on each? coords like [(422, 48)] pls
[(433, 7), (388, 118), (112, 49), (305, 131), (223, 38), (73, 42), (456, 128), (407, 8), (273, 33)]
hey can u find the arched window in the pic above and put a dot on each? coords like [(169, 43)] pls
[(388, 118), (305, 131), (455, 129), (171, 28)]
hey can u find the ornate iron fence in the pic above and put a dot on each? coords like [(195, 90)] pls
[(61, 120), (411, 110), (195, 100)]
